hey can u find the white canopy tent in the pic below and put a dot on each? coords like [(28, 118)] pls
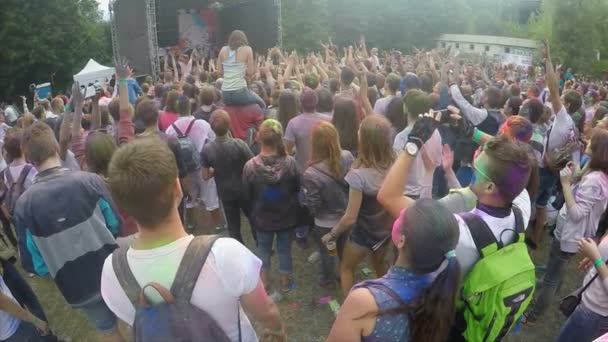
[(94, 72)]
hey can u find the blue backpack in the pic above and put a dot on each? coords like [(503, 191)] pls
[(175, 319)]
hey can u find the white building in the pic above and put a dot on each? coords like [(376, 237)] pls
[(505, 49)]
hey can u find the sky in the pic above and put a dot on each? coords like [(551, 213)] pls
[(103, 5)]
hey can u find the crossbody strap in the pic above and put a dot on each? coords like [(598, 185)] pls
[(580, 294)]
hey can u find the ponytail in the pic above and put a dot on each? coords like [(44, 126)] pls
[(434, 317)]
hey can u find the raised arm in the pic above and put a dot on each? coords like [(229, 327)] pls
[(552, 82), (126, 129), (391, 192), (475, 115), (363, 90)]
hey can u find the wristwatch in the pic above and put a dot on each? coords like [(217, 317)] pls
[(411, 149)]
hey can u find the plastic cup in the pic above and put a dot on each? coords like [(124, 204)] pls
[(332, 249)]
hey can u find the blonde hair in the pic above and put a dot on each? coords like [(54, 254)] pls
[(271, 135), (326, 148), (375, 150)]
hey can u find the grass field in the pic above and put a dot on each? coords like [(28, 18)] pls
[(306, 320)]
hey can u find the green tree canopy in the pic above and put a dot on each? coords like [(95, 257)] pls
[(45, 41)]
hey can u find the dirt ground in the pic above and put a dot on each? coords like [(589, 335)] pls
[(306, 319)]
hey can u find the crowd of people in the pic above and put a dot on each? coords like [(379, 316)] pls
[(439, 168)]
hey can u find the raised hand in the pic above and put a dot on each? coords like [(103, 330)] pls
[(122, 68), (447, 157), (77, 96), (424, 128)]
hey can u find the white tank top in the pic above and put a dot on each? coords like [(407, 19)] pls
[(234, 72)]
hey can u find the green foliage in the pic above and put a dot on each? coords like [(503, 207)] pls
[(575, 29), (49, 40), (304, 24)]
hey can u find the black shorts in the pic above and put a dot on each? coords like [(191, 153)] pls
[(364, 239)]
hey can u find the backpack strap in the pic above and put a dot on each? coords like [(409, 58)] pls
[(485, 241), (23, 175), (9, 177), (520, 228), (190, 127), (191, 265), (125, 276), (178, 131)]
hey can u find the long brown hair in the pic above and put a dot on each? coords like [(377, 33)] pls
[(271, 135), (375, 148), (237, 39), (346, 121), (599, 150), (326, 148)]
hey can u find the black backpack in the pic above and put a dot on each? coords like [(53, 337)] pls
[(189, 157), (176, 319)]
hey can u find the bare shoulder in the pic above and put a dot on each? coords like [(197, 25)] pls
[(360, 302)]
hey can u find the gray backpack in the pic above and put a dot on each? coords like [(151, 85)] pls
[(175, 319)]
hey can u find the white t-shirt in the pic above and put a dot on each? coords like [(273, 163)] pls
[(8, 324), (466, 252), (230, 272), (200, 132)]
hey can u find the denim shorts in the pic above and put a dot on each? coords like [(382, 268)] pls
[(548, 180), (364, 239), (100, 316)]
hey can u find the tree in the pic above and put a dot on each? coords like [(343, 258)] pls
[(45, 41), (304, 24), (576, 30)]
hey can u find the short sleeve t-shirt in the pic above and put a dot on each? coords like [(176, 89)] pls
[(230, 272), (8, 324), (502, 228), (366, 180), (227, 157), (299, 131), (419, 182), (200, 132), (372, 217)]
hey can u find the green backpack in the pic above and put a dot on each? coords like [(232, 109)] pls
[(499, 288)]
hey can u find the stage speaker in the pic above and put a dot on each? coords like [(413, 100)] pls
[(130, 16), (166, 23)]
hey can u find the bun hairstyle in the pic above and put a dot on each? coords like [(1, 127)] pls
[(431, 235), (271, 135)]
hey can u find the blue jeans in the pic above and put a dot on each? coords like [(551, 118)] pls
[(242, 97), (265, 242), (100, 316), (583, 325), (556, 268), (327, 262), (21, 290), (26, 333)]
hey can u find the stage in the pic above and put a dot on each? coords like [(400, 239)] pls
[(142, 30)]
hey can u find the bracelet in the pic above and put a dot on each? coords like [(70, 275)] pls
[(477, 136), (277, 331), (598, 262), (68, 108), (122, 81)]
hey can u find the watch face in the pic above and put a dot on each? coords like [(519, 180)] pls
[(412, 149)]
